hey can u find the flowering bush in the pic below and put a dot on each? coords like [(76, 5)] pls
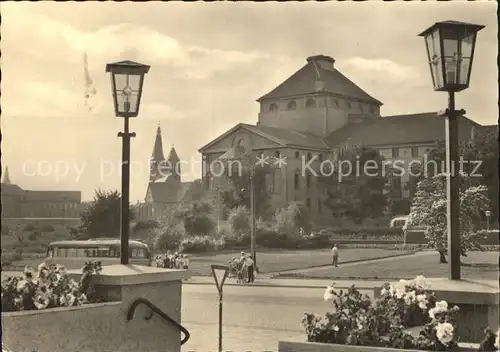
[(50, 287), (390, 320)]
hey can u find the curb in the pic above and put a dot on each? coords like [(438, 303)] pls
[(275, 285), (273, 273)]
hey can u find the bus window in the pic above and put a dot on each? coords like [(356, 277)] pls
[(60, 252), (71, 252), (50, 252), (139, 253)]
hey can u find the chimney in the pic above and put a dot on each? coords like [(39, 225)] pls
[(323, 61)]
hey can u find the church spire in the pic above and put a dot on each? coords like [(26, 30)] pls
[(173, 161), (157, 157), (6, 177)]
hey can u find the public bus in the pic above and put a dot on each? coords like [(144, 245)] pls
[(74, 254)]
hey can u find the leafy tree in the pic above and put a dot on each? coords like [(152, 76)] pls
[(239, 192), (429, 209), (355, 188), (239, 220), (170, 231), (198, 218), (483, 149), (145, 230), (195, 192), (102, 217)]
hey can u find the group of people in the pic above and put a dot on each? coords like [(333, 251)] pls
[(243, 265), (172, 261)]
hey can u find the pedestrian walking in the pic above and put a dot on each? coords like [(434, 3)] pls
[(166, 261), (335, 255), (250, 269)]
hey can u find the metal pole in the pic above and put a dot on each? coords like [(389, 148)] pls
[(125, 199), (220, 320), (252, 218), (452, 188)]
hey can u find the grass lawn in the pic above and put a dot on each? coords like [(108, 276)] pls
[(477, 265), (278, 260)]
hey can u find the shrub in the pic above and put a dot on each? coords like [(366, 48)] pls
[(239, 220), (50, 287), (47, 228), (33, 236), (200, 244), (168, 238)]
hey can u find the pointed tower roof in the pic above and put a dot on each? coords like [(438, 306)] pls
[(173, 158), (6, 177), (158, 147)]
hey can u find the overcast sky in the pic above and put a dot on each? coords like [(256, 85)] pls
[(209, 62)]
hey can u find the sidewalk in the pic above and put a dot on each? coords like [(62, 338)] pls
[(290, 283)]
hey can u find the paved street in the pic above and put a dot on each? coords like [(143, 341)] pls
[(255, 318)]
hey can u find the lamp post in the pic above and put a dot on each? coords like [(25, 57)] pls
[(450, 50), (127, 78)]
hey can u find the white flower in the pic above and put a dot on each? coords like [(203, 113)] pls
[(422, 301), (442, 305), (497, 340), (400, 292), (391, 290), (329, 296), (410, 297), (444, 333), (384, 291), (82, 299), (421, 282), (21, 285), (336, 328), (29, 274), (67, 300)]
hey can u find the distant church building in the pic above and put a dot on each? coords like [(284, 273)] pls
[(165, 187), (313, 115)]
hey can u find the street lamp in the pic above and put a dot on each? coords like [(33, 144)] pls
[(450, 50), (127, 78)]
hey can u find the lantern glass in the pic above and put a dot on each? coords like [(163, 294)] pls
[(457, 50), (127, 89), (432, 41)]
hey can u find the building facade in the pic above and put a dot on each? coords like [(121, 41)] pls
[(311, 117), (20, 203)]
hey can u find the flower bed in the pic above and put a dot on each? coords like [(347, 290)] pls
[(50, 287), (405, 316)]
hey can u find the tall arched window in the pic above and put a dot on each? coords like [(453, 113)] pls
[(269, 183), (292, 105), (310, 103), (309, 156), (297, 179), (297, 155), (308, 180), (273, 107)]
